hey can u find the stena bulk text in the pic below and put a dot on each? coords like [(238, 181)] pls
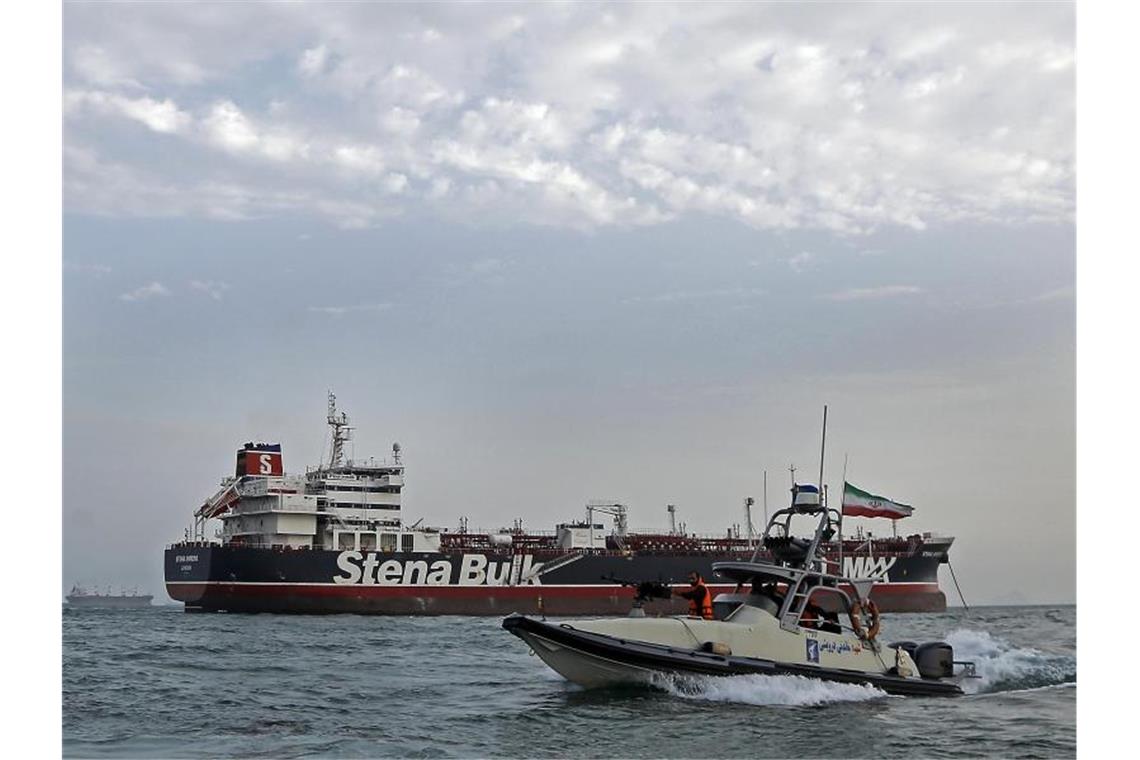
[(472, 570)]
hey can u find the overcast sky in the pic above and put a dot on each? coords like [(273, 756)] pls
[(564, 252)]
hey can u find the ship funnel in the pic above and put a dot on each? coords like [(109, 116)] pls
[(259, 459)]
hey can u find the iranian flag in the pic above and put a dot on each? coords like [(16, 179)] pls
[(859, 503)]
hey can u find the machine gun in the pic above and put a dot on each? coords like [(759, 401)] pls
[(645, 590)]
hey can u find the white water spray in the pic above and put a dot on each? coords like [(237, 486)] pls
[(1004, 667), (792, 691)]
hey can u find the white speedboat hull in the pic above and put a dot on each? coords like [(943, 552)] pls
[(594, 659)]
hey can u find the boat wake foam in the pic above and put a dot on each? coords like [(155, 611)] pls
[(1004, 667), (791, 691)]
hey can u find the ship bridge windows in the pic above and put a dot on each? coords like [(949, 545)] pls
[(360, 538), (338, 488)]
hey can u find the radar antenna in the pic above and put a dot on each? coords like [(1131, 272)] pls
[(341, 432)]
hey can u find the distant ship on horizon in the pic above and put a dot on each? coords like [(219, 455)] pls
[(81, 597)]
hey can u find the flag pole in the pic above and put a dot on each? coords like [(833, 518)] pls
[(842, 495), (822, 447), (822, 489)]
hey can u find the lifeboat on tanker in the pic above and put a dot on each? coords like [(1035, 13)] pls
[(787, 616)]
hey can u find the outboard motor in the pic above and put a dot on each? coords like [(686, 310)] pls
[(934, 659)]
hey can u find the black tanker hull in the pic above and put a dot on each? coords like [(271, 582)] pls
[(247, 579)]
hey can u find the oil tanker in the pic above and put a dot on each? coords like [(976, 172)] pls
[(81, 597), (333, 540)]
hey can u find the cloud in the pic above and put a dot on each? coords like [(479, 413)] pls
[(109, 188), (160, 116), (682, 296), (778, 116), (1066, 293), (1051, 296), (97, 270), (365, 159), (230, 129), (97, 66), (214, 290), (395, 183), (338, 311), (313, 61), (801, 261), (487, 266), (146, 292), (869, 294)]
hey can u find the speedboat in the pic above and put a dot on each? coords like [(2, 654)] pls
[(788, 616)]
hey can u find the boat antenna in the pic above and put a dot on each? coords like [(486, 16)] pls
[(822, 447), (842, 496)]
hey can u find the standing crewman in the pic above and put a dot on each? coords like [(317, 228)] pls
[(699, 596)]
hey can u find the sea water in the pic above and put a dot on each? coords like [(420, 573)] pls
[(161, 683)]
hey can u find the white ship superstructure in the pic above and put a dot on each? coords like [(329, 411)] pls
[(342, 505)]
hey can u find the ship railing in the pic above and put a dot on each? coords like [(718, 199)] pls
[(275, 505), (352, 467), (480, 531), (193, 544)]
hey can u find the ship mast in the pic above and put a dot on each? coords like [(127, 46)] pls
[(748, 502), (765, 499), (341, 432)]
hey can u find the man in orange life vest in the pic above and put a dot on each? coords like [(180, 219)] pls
[(699, 596)]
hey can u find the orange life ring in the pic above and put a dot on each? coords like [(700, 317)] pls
[(872, 610), (857, 618)]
